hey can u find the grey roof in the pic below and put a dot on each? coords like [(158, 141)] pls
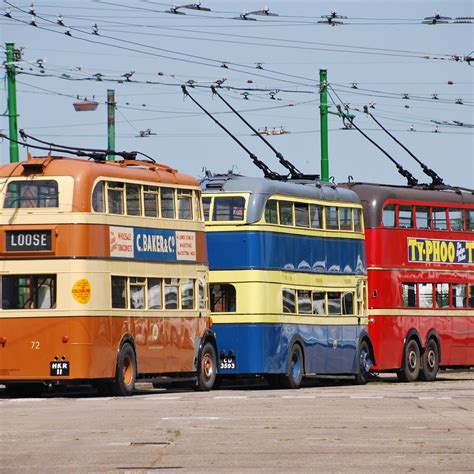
[(261, 189)]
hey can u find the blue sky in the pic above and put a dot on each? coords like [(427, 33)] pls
[(380, 48)]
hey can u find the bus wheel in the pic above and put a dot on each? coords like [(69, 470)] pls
[(363, 364), (126, 372), (430, 362), (207, 368), (411, 363), (295, 369), (24, 390)]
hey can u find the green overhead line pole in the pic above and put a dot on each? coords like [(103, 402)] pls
[(12, 111), (111, 122), (323, 113)]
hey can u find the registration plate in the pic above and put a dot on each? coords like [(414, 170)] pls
[(59, 369), (227, 362)]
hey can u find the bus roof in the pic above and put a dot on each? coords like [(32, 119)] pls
[(260, 189)]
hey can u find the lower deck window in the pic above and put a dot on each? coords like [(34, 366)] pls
[(438, 295), (29, 292), (223, 298)]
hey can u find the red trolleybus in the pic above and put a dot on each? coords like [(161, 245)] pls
[(420, 258), (103, 275)]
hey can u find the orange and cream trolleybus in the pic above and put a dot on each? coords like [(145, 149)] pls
[(103, 276)]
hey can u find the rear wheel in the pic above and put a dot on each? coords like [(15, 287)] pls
[(207, 368), (430, 362), (363, 364), (126, 372), (294, 377), (24, 390), (411, 363)]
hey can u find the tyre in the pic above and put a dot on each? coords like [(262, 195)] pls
[(24, 390), (207, 368), (126, 372), (411, 363), (430, 362), (363, 364), (294, 377)]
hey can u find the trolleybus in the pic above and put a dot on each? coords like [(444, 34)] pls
[(103, 275), (420, 257), (287, 278)]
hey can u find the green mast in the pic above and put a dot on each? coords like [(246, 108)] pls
[(111, 122), (12, 112), (323, 111)]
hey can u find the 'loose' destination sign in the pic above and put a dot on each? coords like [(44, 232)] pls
[(28, 240)]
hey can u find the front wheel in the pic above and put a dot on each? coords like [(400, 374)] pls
[(126, 372), (430, 362), (363, 364), (294, 377), (411, 363), (207, 368)]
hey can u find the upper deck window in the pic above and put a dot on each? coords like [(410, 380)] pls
[(271, 212), (185, 204), (229, 208), (423, 217), (133, 200), (286, 213), (206, 206), (456, 219), (98, 197), (167, 203), (115, 195), (389, 215), (31, 194), (331, 218), (301, 214), (439, 218), (470, 219), (345, 218), (357, 220), (151, 201), (316, 212), (405, 216)]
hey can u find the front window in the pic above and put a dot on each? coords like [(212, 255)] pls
[(229, 208), (223, 298), (28, 291), (31, 194), (206, 206), (357, 220), (98, 197)]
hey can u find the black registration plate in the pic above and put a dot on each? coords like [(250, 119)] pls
[(227, 362), (59, 369)]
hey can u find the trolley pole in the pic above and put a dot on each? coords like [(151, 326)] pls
[(111, 122), (323, 111), (12, 111)]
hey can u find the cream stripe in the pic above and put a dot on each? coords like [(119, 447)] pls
[(422, 269), (235, 318), (419, 313)]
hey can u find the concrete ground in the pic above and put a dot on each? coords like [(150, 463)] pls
[(327, 426)]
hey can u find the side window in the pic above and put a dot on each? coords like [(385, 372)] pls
[(348, 303), (98, 197), (28, 292), (425, 295), (331, 218), (151, 200), (228, 208), (316, 214), (301, 214), (442, 295), (286, 213), (197, 205), (185, 204), (456, 219), (137, 293), (133, 199), (119, 292), (439, 218), (171, 293), (304, 302), (459, 295), (115, 192), (167, 203), (345, 218), (334, 302), (319, 302), (423, 217), (357, 220), (470, 219), (202, 292), (223, 298), (388, 218), (405, 217), (271, 212), (187, 293), (154, 293), (471, 296), (289, 300), (206, 206), (409, 295)]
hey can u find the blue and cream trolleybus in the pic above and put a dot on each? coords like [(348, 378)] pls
[(287, 279)]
